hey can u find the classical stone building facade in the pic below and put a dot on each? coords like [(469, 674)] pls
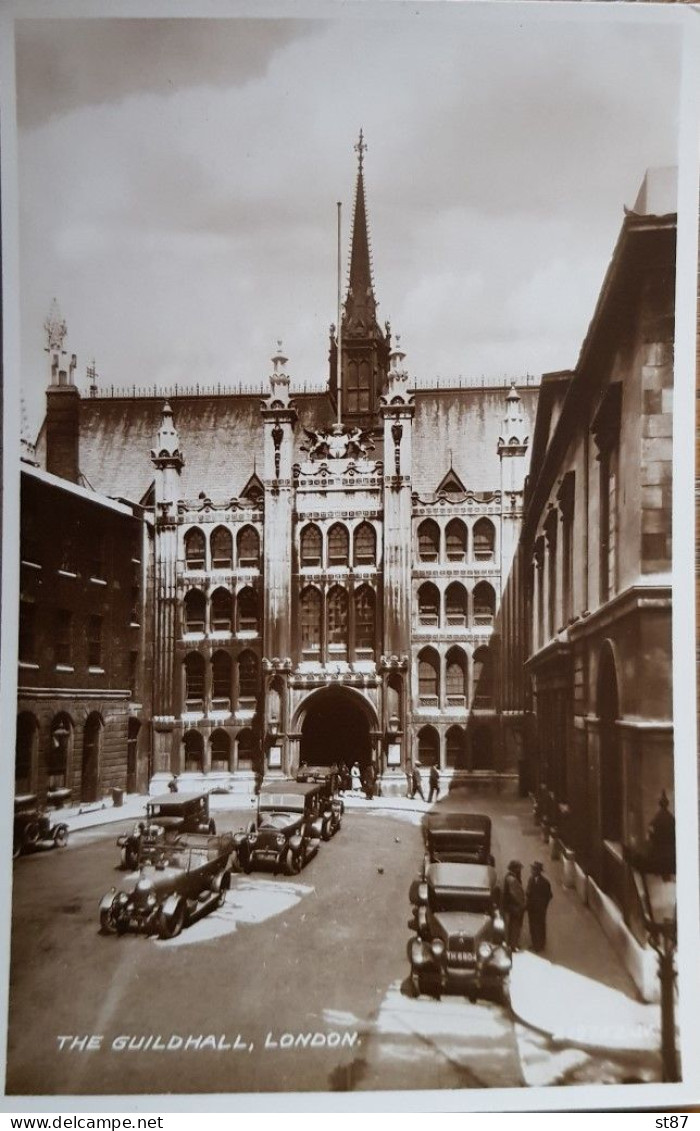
[(595, 561), (327, 564)]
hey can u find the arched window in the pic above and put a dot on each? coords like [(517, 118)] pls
[(428, 676), (483, 678), (246, 749), (25, 748), (365, 545), (429, 604), (484, 540), (221, 611), (311, 546), (195, 605), (248, 545), (428, 747), (194, 549), (60, 749), (247, 607), (194, 681), (365, 606), (456, 540), (428, 541), (456, 604), (455, 748), (221, 671), (484, 604), (338, 545), (220, 751), (194, 752), (248, 679), (221, 548), (456, 677), (310, 622), (337, 617)]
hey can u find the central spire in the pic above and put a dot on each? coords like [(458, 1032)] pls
[(360, 303)]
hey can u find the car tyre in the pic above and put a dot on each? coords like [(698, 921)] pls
[(294, 862), (60, 836), (416, 984), (31, 833), (171, 928), (131, 859), (328, 830), (223, 888), (504, 993), (108, 923)]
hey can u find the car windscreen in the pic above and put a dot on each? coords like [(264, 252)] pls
[(289, 801), (449, 899)]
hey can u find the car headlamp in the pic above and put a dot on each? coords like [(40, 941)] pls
[(437, 947), (484, 951), (253, 838), (151, 900)]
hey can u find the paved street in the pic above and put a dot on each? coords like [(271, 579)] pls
[(295, 984)]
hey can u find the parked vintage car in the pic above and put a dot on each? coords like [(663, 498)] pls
[(188, 877), (457, 838), (332, 804), (33, 829), (460, 935), (287, 829), (167, 817)]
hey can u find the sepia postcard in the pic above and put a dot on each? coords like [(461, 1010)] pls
[(348, 638)]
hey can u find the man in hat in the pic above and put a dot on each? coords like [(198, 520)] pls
[(537, 900), (513, 904)]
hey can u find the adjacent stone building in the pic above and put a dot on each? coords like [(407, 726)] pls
[(327, 564), (595, 573)]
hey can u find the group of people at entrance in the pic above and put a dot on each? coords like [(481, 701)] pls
[(359, 779), (533, 899), (415, 783)]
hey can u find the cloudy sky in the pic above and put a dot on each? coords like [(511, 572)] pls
[(178, 183)]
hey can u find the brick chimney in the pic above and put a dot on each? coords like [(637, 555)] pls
[(62, 405)]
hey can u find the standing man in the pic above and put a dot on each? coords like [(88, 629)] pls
[(434, 780), (513, 904), (370, 779), (416, 784), (537, 899)]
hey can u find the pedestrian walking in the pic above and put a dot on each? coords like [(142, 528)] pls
[(513, 904), (537, 899), (370, 780), (409, 780), (355, 778), (434, 780), (416, 784)]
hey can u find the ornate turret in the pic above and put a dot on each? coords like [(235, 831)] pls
[(514, 433), (364, 345)]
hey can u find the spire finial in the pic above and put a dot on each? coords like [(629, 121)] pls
[(361, 149)]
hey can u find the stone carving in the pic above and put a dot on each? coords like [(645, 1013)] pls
[(338, 443)]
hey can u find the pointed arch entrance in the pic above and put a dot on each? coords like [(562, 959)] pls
[(336, 725)]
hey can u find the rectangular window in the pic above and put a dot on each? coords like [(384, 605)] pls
[(96, 550), (63, 641), (27, 632), (95, 642)]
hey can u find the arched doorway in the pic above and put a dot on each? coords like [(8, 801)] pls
[(91, 758), (335, 728)]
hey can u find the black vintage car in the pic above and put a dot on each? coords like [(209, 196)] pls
[(457, 838), (287, 829), (187, 877), (167, 817), (460, 936), (32, 827), (332, 804)]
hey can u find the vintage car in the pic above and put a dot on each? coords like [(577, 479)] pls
[(167, 817), (457, 838), (332, 804), (460, 936), (33, 829), (287, 829), (187, 877)]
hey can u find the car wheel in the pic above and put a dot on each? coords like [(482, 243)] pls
[(416, 984), (224, 887), (293, 863), (108, 922), (327, 831), (504, 993), (171, 928), (60, 836), (31, 832), (131, 859)]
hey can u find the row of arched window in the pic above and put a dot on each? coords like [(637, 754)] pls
[(455, 608), (336, 624), (336, 550), (451, 543), (48, 760), (218, 551), (220, 682), (219, 754), (222, 612), (450, 684), (462, 751)]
